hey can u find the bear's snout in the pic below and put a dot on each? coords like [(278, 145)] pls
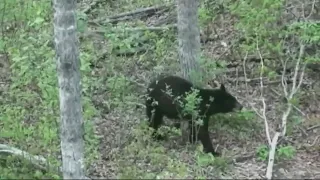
[(238, 107)]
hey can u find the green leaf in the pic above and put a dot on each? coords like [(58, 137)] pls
[(38, 20)]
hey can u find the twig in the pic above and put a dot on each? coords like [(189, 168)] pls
[(293, 90), (252, 106), (263, 115), (245, 71), (314, 141), (262, 97), (295, 107), (283, 81), (257, 112), (313, 127), (294, 87), (304, 132), (312, 9)]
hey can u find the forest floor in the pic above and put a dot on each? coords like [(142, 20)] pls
[(125, 147), (117, 126)]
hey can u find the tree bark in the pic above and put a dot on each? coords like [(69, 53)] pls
[(68, 69), (189, 39)]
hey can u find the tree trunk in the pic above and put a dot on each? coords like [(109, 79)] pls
[(189, 39), (68, 69)]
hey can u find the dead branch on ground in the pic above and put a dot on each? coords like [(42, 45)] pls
[(141, 12), (138, 11), (38, 161), (313, 127), (164, 28), (92, 5)]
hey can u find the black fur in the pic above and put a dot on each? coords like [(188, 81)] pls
[(223, 102)]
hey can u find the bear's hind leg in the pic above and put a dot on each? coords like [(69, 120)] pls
[(155, 121)]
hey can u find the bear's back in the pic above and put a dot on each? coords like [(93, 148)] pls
[(166, 90), (174, 84)]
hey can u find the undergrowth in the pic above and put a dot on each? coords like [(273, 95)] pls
[(30, 111), (30, 107)]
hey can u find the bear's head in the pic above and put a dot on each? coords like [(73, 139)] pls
[(221, 101)]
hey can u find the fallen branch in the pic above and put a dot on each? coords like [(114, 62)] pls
[(313, 127), (242, 158), (255, 80), (152, 28), (38, 161), (92, 5), (138, 11), (132, 14), (314, 142)]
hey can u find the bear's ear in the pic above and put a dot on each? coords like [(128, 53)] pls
[(222, 87)]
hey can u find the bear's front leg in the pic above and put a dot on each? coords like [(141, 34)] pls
[(205, 139)]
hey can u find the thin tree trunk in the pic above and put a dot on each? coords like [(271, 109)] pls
[(68, 68), (189, 39)]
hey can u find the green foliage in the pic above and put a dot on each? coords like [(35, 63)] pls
[(242, 125), (263, 152), (257, 24), (205, 16), (192, 103), (293, 122), (119, 87), (256, 20), (307, 31), (145, 149), (29, 119), (205, 160), (145, 158), (286, 152), (282, 152), (82, 19), (34, 15), (211, 68)]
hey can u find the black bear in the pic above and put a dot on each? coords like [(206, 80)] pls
[(213, 101)]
